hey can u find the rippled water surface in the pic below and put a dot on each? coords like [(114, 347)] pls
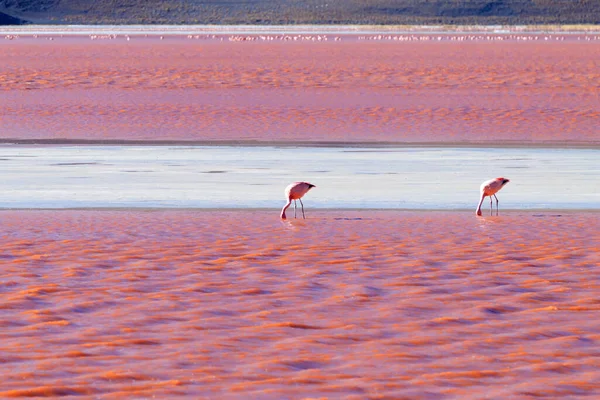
[(434, 91), (246, 177), (369, 304), (188, 285)]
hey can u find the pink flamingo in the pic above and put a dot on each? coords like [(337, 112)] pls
[(490, 188), (295, 191)]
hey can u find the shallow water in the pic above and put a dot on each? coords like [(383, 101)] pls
[(356, 305), (254, 177), (345, 304)]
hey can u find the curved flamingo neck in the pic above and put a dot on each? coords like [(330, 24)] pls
[(478, 212), (285, 208)]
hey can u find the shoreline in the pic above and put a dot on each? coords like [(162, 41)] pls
[(314, 210), (303, 144), (77, 30)]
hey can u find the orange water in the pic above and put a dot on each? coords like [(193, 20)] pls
[(353, 304), (341, 91)]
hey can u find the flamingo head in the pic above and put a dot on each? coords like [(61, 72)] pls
[(504, 181)]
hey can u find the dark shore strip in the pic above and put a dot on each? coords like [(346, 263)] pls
[(303, 143)]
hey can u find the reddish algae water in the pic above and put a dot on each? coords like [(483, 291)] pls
[(377, 91), (353, 304), (117, 304)]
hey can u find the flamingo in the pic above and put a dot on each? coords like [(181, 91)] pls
[(295, 191), (490, 188)]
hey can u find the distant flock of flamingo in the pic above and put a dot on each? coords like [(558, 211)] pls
[(307, 37), (295, 191)]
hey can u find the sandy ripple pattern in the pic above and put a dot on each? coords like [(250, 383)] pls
[(177, 88), (354, 305)]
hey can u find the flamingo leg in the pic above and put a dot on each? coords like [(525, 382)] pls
[(496, 204), (303, 216), (295, 208), (491, 209)]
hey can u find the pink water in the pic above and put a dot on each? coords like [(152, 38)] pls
[(354, 304), (180, 89)]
